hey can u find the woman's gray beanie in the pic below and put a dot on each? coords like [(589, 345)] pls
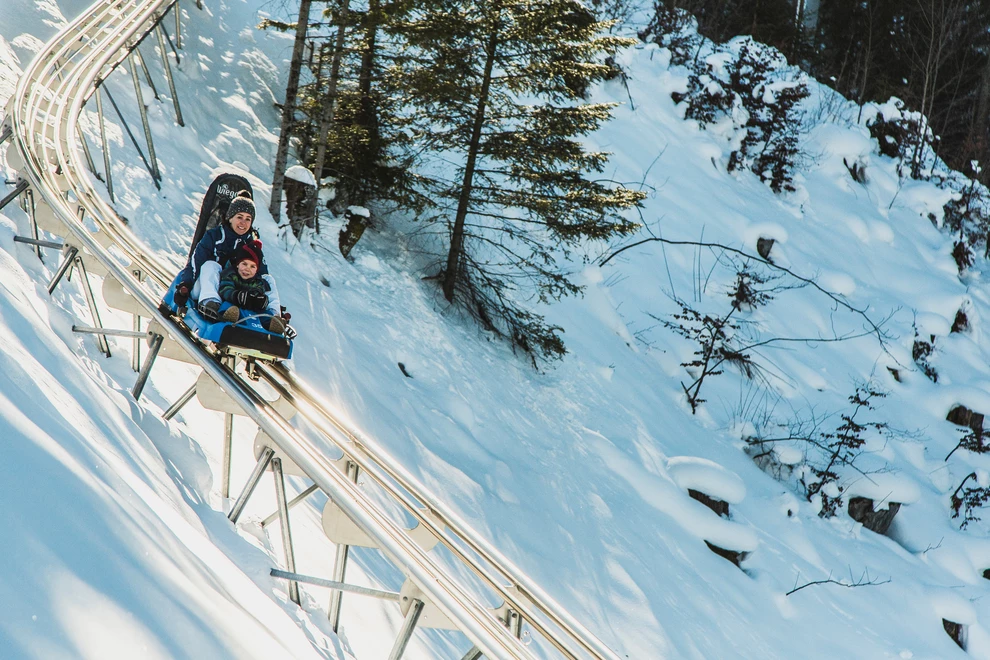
[(241, 204)]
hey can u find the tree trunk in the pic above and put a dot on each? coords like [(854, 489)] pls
[(939, 16), (329, 104), (315, 63), (288, 110), (867, 60), (457, 235), (352, 232), (367, 117), (927, 85), (368, 52), (981, 124)]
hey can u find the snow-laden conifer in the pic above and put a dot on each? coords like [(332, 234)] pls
[(496, 91)]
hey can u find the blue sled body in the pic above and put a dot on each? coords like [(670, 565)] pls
[(247, 337)]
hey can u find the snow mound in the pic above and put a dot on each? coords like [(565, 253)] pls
[(929, 323), (710, 478), (300, 174), (884, 487), (952, 607)]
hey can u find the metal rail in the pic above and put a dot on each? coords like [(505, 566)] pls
[(522, 594), (44, 116)]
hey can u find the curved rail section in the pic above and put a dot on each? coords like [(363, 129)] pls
[(43, 117)]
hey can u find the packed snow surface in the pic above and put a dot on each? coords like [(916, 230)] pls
[(115, 540)]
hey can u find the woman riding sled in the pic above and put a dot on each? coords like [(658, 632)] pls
[(200, 279)]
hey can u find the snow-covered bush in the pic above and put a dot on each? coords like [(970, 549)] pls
[(840, 448), (973, 440), (967, 214), (673, 28), (904, 135), (921, 351), (966, 500), (716, 335), (752, 86), (771, 98), (707, 99), (820, 461)]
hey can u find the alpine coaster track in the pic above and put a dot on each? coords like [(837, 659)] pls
[(42, 122)]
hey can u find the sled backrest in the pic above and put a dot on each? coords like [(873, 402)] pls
[(223, 189)]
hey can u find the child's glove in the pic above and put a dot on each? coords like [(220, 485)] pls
[(256, 301)]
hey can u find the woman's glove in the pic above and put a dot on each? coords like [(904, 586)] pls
[(181, 296)]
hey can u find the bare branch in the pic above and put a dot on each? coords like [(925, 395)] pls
[(876, 329), (863, 581)]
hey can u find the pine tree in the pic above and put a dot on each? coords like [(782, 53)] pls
[(352, 137), (496, 91)]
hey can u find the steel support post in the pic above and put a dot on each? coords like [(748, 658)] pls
[(91, 301), (152, 160), (474, 654), (252, 483), (405, 633), (349, 588), (5, 133), (136, 353), (339, 570), (103, 140), (340, 566), (168, 74), (37, 242), (147, 73), (285, 528), (130, 134), (156, 345), (228, 447), (514, 623), (62, 269), (178, 27), (228, 439), (175, 51), (89, 155), (294, 501), (21, 186), (180, 403), (32, 214), (87, 330)]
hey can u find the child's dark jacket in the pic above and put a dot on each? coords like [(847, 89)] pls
[(231, 282)]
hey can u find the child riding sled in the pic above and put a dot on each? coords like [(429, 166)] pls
[(245, 290), (200, 279)]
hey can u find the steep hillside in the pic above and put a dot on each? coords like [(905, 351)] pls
[(579, 471)]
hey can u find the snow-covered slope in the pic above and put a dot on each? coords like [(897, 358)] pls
[(579, 472)]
